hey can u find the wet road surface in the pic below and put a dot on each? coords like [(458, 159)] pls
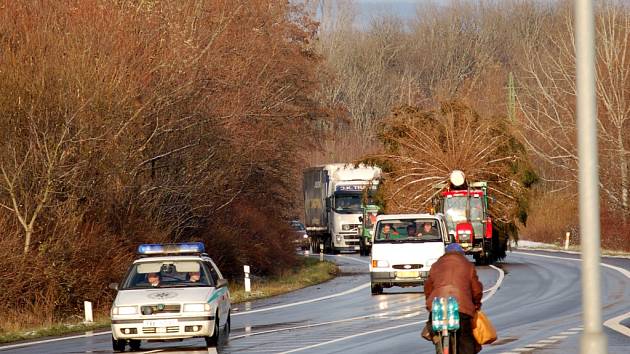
[(536, 309)]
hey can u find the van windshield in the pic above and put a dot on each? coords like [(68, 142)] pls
[(408, 230)]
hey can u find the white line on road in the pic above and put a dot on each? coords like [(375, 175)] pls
[(350, 291), (13, 346), (496, 286), (490, 294), (352, 336), (559, 337), (613, 323)]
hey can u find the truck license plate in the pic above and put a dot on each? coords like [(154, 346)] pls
[(408, 274), (159, 323)]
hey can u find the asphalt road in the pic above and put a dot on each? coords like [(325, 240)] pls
[(533, 298)]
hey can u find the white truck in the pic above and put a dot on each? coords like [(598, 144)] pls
[(333, 195)]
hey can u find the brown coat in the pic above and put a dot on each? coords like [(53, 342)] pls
[(454, 275)]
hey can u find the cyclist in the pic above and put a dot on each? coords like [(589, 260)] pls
[(454, 275)]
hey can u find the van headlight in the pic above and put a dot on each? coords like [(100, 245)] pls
[(124, 310), (197, 307), (379, 264)]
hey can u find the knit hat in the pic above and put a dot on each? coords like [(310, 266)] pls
[(454, 248)]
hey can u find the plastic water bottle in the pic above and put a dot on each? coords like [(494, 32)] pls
[(437, 314), (452, 310)]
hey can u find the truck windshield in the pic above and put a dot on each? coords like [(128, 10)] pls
[(455, 211), (166, 274), (408, 230), (348, 203)]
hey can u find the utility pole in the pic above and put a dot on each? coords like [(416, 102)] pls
[(593, 340)]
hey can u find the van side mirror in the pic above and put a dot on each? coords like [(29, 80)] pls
[(360, 219), (222, 283), (113, 286)]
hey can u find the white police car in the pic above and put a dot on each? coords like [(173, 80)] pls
[(172, 292)]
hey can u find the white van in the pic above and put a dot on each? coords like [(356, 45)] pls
[(404, 246)]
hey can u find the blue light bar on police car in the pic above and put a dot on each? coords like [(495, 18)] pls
[(171, 248)]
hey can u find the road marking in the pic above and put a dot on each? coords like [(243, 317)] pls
[(490, 294), (264, 309), (568, 333), (13, 346), (354, 259), (613, 323), (521, 350), (352, 336), (536, 345), (558, 337), (382, 314), (548, 341), (496, 286)]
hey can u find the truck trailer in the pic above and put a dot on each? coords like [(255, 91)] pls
[(333, 196)]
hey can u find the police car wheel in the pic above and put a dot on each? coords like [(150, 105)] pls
[(214, 339), (118, 345), (134, 344), (228, 327)]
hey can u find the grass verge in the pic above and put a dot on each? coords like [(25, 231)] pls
[(308, 272)]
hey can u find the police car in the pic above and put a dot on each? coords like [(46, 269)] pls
[(172, 292)]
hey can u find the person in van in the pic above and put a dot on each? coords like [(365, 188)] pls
[(388, 232), (412, 230), (427, 229)]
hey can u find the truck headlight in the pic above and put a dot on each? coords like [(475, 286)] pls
[(124, 310), (379, 264), (197, 307), (338, 238), (346, 227)]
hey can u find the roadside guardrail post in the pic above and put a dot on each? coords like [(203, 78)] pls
[(87, 306), (566, 240), (321, 252), (248, 284)]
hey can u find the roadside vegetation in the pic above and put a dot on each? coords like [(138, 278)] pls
[(306, 272), (132, 121), (511, 63)]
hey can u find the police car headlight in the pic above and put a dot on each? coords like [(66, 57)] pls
[(125, 310), (196, 307)]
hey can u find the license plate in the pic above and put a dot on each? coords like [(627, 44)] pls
[(356, 248), (408, 274), (159, 323)]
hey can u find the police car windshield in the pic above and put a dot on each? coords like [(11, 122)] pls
[(407, 230), (167, 274)]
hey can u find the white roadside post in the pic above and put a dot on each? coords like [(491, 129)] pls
[(87, 306), (593, 340), (566, 240), (321, 252), (248, 284)]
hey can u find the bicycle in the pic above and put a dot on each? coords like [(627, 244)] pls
[(445, 323)]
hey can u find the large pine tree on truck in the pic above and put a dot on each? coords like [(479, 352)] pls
[(423, 147)]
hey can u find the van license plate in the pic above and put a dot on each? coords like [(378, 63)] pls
[(408, 274), (159, 323)]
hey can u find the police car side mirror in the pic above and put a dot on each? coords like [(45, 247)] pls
[(113, 286), (221, 283)]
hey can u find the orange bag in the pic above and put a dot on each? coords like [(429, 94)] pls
[(483, 330)]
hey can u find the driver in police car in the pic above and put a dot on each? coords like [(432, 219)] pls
[(153, 279)]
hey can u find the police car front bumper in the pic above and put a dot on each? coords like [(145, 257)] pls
[(163, 328)]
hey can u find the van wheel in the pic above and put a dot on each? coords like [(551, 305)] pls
[(376, 289), (134, 344), (118, 345)]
